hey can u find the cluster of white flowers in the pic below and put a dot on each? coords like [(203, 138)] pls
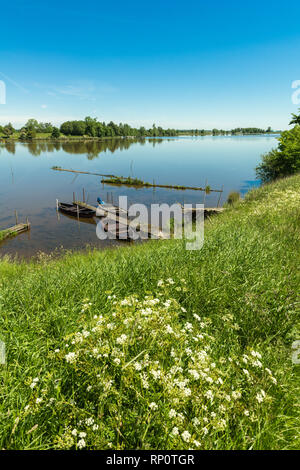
[(34, 382), (86, 305), (71, 357), (260, 397), (153, 406), (186, 436), (122, 339), (164, 361)]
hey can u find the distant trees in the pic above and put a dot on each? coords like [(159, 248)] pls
[(236, 131), (250, 130), (8, 130), (93, 128), (39, 127)]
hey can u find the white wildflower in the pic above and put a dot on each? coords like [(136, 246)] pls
[(261, 396), (172, 413), (153, 406), (81, 444), (209, 394), (70, 357), (122, 339), (194, 374), (195, 421), (186, 436), (89, 421), (256, 354), (257, 363)]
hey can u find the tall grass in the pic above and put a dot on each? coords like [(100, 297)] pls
[(148, 347)]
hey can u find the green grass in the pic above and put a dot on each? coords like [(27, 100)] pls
[(3, 234), (145, 389)]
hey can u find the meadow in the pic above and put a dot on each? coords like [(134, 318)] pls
[(158, 347)]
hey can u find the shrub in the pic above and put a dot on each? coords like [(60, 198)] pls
[(283, 161), (55, 133)]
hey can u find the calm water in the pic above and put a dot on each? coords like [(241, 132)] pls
[(30, 187)]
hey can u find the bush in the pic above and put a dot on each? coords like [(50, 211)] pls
[(283, 161), (55, 133)]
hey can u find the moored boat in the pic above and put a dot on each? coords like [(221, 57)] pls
[(75, 211)]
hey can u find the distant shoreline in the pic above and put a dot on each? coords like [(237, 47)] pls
[(99, 139)]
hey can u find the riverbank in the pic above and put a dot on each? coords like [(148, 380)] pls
[(86, 138), (159, 347), (64, 138)]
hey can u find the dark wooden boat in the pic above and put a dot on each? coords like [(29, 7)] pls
[(75, 211)]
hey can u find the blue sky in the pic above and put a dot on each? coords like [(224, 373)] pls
[(191, 64)]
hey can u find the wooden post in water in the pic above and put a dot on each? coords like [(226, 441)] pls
[(204, 192), (83, 194), (16, 214), (221, 192), (78, 216), (28, 225), (73, 197)]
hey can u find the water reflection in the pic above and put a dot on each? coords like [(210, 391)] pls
[(91, 148)]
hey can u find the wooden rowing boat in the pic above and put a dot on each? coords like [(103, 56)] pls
[(75, 211)]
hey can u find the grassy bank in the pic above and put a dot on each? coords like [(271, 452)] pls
[(156, 346), (62, 138)]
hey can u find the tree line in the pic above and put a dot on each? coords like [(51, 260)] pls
[(91, 127), (236, 131)]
